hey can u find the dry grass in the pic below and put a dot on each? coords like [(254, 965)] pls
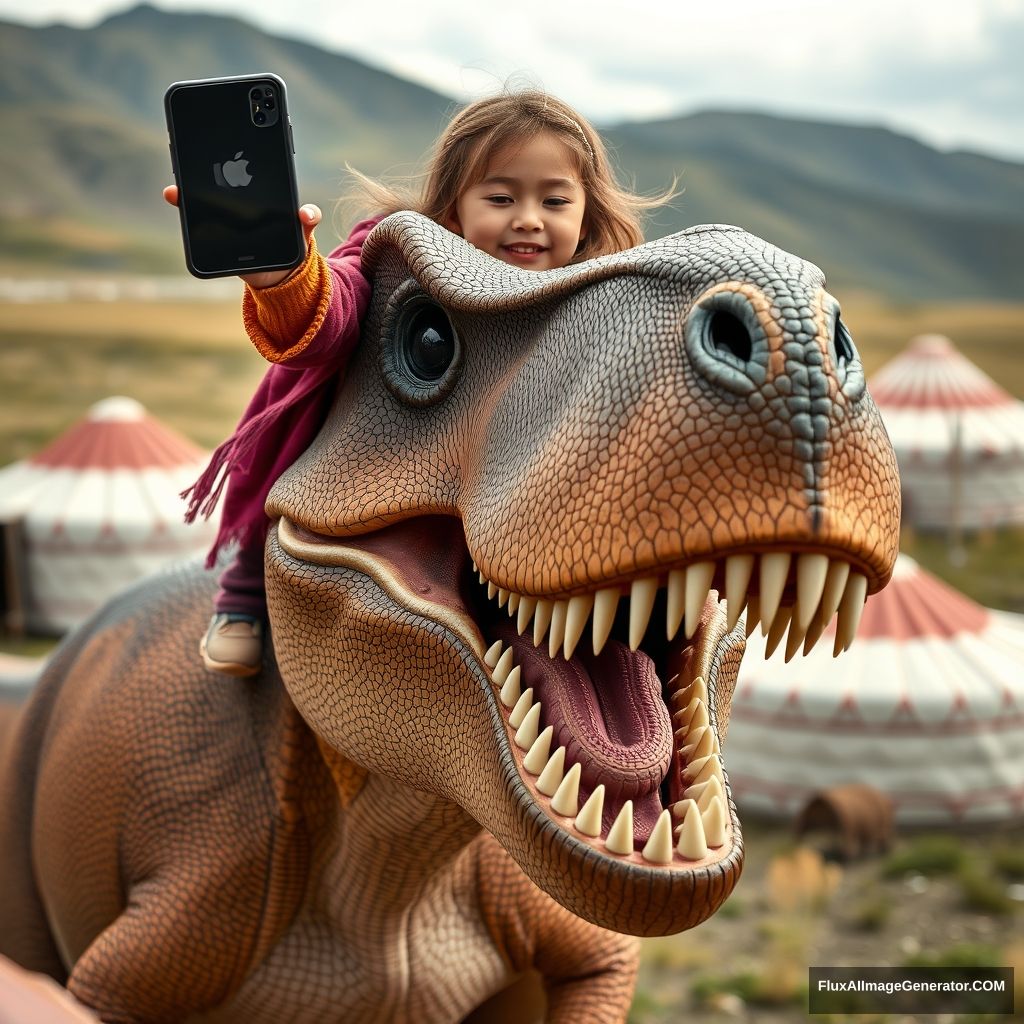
[(191, 365)]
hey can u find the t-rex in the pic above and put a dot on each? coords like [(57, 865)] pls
[(494, 585)]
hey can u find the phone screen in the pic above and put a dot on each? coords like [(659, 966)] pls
[(232, 154)]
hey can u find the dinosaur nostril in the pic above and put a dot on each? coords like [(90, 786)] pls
[(729, 334)]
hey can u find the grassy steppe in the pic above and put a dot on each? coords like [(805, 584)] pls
[(192, 366)]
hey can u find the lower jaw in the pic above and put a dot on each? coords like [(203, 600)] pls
[(654, 793)]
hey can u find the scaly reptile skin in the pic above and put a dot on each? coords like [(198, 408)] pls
[(366, 842)]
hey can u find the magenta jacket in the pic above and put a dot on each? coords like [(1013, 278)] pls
[(287, 411)]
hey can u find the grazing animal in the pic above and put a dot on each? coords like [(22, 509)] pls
[(855, 816)]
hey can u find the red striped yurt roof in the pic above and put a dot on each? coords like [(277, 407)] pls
[(932, 374), (926, 706), (958, 438), (96, 510), (117, 433)]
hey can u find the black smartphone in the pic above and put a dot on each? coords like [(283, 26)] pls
[(232, 155)]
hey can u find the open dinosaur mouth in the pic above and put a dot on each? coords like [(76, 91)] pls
[(616, 736)]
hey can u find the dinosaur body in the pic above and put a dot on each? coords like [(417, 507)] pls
[(442, 795)]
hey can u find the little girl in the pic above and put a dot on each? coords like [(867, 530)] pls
[(522, 177)]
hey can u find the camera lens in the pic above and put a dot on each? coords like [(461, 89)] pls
[(268, 92), (260, 117), (268, 104), (255, 95)]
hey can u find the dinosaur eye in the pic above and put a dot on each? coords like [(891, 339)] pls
[(421, 355), (429, 343)]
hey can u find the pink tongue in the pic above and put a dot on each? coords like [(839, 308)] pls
[(608, 713)]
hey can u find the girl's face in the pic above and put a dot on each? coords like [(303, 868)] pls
[(528, 209)]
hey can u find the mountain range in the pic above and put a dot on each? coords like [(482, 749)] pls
[(85, 156)]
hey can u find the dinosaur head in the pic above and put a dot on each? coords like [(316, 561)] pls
[(498, 574)]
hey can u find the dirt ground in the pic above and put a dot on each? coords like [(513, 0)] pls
[(792, 908)]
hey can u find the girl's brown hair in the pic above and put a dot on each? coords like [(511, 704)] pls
[(462, 152)]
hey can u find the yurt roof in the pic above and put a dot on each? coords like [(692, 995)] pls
[(117, 433), (931, 391), (927, 705), (118, 469)]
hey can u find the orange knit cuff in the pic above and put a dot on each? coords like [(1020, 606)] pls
[(282, 320)]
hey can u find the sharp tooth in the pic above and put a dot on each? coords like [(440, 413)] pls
[(694, 715), (492, 589), (811, 571), (567, 797), (588, 821), (713, 820), (481, 577), (835, 584), (472, 562), (659, 847), (694, 792), (753, 614), (500, 671), (493, 654), (551, 778), (641, 601), (527, 606), (778, 630), (525, 702), (737, 578), (774, 569), (503, 596), (605, 603), (701, 743), (542, 619), (537, 758), (558, 616), (703, 768), (850, 609), (676, 601), (699, 688), (513, 604), (711, 790), (692, 843), (620, 835), (576, 621), (698, 583), (816, 629), (510, 691), (794, 640), (526, 735)]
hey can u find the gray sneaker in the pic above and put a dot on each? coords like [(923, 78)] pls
[(233, 645)]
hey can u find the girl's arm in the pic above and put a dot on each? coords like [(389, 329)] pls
[(312, 317)]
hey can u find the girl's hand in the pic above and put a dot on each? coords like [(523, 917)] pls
[(309, 217)]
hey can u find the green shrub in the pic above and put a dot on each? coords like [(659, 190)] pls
[(984, 892), (1009, 861), (927, 855), (966, 954)]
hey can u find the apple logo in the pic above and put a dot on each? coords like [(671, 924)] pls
[(232, 172)]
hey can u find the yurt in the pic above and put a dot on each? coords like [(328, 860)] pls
[(92, 512), (958, 437), (927, 706)]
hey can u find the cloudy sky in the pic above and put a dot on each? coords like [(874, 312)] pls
[(950, 72)]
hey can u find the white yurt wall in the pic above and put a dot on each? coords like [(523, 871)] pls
[(96, 510)]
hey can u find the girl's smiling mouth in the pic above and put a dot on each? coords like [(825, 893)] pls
[(524, 250)]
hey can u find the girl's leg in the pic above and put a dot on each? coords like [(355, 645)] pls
[(242, 589), (233, 643)]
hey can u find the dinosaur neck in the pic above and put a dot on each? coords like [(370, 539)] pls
[(389, 844)]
